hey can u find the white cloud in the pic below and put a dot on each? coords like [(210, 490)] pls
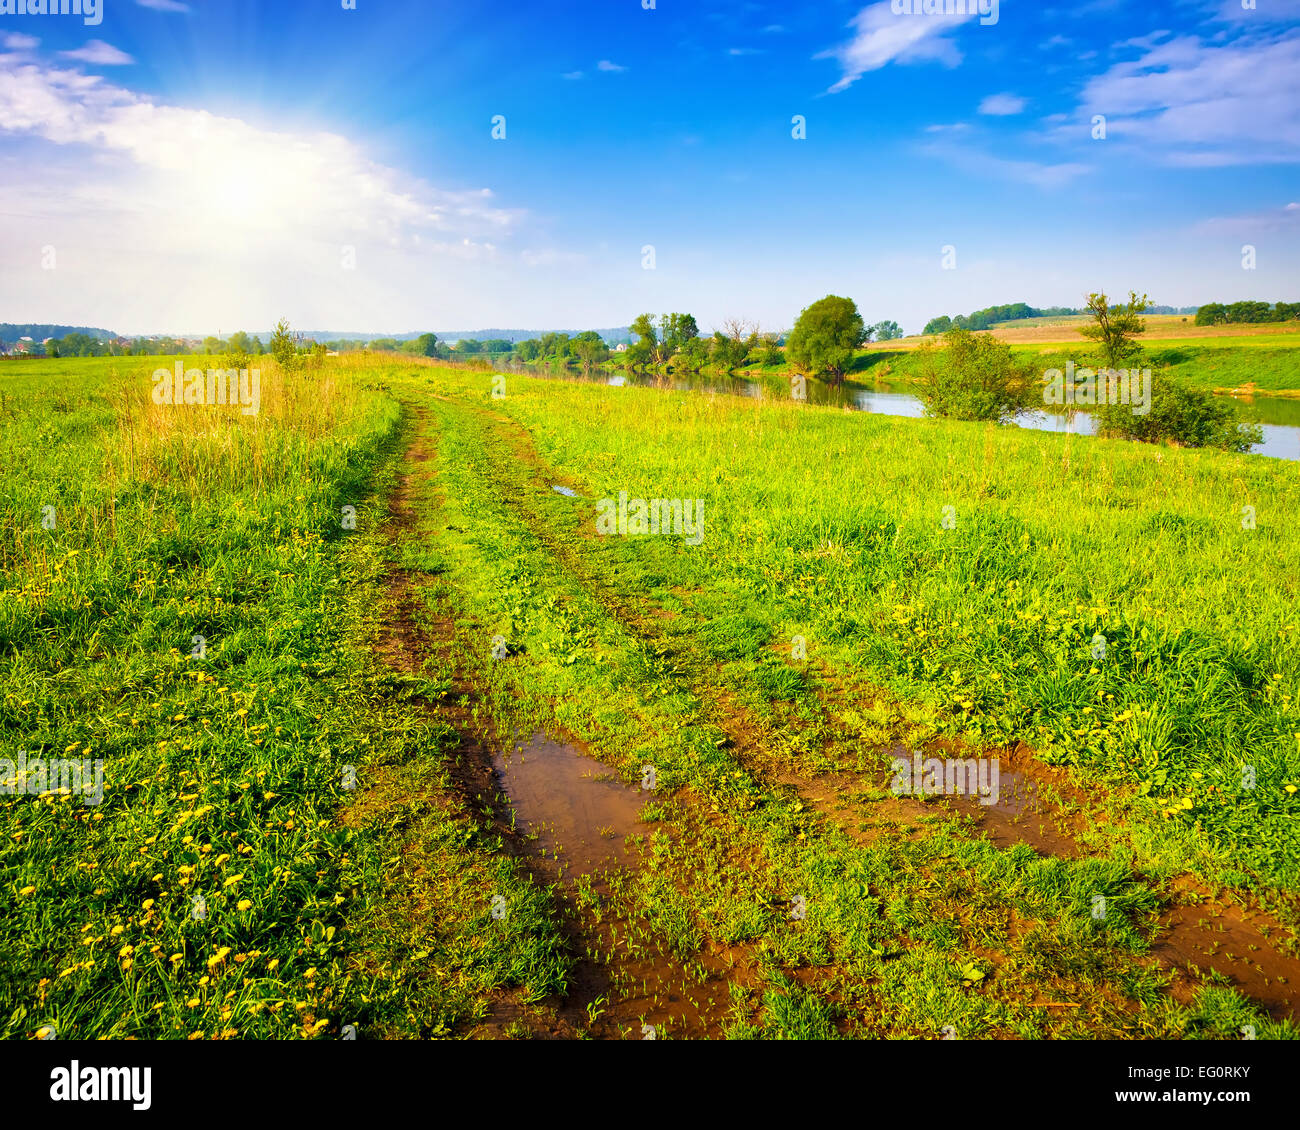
[(976, 163), (100, 54), (164, 5), (881, 37), (16, 41), (745, 51), (1002, 105), (1145, 41), (572, 75), (606, 65), (1205, 104), (166, 216), (1283, 219)]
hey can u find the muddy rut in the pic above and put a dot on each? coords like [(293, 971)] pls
[(569, 820)]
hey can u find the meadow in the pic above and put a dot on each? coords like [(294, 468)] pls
[(329, 776)]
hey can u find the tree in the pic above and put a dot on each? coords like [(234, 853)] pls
[(694, 355), (975, 377), (1211, 314), (283, 347), (675, 330), (886, 331), (427, 345), (825, 336), (940, 325), (1116, 327), (644, 350), (728, 353), (733, 344), (772, 353), (589, 348)]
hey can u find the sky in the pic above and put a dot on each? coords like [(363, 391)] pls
[(381, 166)]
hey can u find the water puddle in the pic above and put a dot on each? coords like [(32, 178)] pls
[(1219, 938), (578, 809), (1010, 809), (568, 492), (1016, 795)]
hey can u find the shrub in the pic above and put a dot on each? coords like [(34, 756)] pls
[(975, 377), (1185, 417)]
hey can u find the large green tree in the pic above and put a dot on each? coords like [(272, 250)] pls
[(825, 336)]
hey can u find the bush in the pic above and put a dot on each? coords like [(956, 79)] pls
[(1185, 417), (975, 377)]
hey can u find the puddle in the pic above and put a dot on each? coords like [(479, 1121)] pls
[(1018, 816), (1017, 795), (578, 808), (568, 492), (1016, 812), (1220, 939)]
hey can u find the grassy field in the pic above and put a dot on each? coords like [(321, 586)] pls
[(863, 585), (1160, 327)]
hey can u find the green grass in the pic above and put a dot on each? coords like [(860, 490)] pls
[(224, 775), (374, 903), (831, 528)]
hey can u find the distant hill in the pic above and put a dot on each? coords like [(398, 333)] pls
[(11, 331)]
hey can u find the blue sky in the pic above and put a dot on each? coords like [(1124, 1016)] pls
[(204, 166)]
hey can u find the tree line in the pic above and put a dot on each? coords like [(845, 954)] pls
[(822, 340), (1217, 314), (992, 315)]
